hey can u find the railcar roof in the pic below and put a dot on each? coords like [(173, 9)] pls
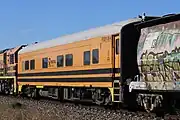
[(159, 20), (2, 51), (91, 33)]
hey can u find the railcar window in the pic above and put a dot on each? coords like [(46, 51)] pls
[(69, 60), (87, 58), (60, 61), (26, 65), (95, 56), (117, 46), (45, 63), (32, 64), (12, 59)]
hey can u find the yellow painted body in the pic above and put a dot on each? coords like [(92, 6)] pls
[(19, 88), (107, 59), (112, 93)]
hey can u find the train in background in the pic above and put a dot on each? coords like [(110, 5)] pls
[(9, 70), (133, 62)]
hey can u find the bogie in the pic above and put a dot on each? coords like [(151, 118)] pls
[(100, 96)]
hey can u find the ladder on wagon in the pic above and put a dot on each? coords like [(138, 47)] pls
[(117, 91)]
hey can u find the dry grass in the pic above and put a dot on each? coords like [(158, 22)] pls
[(16, 112)]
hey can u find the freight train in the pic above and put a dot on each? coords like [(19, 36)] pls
[(133, 62)]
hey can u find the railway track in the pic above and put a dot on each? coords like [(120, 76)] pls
[(47, 108)]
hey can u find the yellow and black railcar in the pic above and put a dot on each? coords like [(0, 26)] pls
[(84, 65)]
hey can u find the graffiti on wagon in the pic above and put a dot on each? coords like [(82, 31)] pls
[(159, 53)]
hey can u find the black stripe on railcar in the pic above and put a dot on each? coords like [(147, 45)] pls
[(93, 79), (75, 72)]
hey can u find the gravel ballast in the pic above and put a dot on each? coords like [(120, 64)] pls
[(12, 108)]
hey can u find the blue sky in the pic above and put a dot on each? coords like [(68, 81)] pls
[(27, 21)]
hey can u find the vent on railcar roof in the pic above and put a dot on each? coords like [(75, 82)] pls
[(144, 17), (167, 15)]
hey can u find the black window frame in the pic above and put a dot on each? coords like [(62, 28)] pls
[(117, 46), (43, 62), (32, 64), (85, 61), (94, 51), (61, 62), (69, 62), (27, 65)]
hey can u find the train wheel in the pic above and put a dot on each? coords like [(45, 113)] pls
[(108, 100), (147, 104), (101, 97), (33, 93), (97, 97)]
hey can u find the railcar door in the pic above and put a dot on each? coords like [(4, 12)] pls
[(116, 67), (116, 42)]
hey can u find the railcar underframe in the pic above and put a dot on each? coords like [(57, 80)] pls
[(100, 96)]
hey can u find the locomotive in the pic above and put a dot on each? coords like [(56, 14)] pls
[(132, 62)]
